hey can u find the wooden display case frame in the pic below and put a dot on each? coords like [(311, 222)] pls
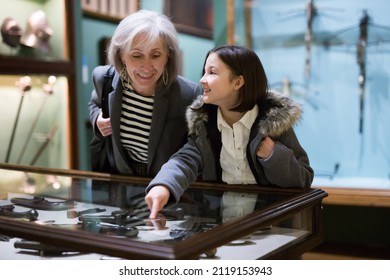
[(295, 201)]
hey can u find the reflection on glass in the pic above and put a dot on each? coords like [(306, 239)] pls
[(236, 205)]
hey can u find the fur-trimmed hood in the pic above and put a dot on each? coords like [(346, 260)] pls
[(281, 115)]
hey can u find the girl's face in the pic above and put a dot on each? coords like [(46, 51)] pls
[(219, 85), (145, 64)]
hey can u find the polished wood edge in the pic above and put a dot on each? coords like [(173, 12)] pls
[(30, 66), (73, 173), (258, 219), (144, 180), (103, 17), (85, 241), (357, 196)]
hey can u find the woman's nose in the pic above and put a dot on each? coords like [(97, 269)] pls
[(147, 64)]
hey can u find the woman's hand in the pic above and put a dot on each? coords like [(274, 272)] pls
[(266, 148), (104, 125), (156, 199)]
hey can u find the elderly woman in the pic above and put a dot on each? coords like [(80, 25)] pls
[(148, 100)]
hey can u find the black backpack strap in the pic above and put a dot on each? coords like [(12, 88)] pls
[(107, 88)]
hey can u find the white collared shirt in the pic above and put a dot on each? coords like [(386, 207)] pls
[(234, 163)]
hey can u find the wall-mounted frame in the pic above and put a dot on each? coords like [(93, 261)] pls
[(194, 17), (109, 10)]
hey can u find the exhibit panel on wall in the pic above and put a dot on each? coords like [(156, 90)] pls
[(331, 56)]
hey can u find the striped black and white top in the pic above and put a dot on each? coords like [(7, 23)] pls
[(136, 120)]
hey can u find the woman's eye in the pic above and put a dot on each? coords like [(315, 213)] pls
[(136, 55)]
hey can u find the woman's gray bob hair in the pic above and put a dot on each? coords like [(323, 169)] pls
[(156, 26)]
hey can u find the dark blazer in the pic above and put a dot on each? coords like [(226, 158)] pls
[(168, 129)]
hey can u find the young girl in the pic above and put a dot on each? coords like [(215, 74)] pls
[(239, 132)]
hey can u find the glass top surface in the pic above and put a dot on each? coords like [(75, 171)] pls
[(100, 214)]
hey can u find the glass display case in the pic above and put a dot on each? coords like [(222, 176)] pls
[(57, 213), (35, 29), (36, 128), (37, 60)]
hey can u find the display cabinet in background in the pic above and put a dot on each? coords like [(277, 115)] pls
[(37, 83)]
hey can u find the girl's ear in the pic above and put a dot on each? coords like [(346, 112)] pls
[(239, 82)]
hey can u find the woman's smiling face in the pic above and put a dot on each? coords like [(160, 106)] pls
[(219, 85), (145, 64)]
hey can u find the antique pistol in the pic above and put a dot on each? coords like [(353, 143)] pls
[(8, 211), (74, 214), (42, 248), (109, 229), (120, 218), (39, 202)]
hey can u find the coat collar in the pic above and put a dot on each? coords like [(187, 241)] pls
[(279, 114)]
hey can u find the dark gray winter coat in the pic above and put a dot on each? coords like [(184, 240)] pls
[(199, 158)]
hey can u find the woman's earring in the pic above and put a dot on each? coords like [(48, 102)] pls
[(123, 74), (125, 79), (165, 77)]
